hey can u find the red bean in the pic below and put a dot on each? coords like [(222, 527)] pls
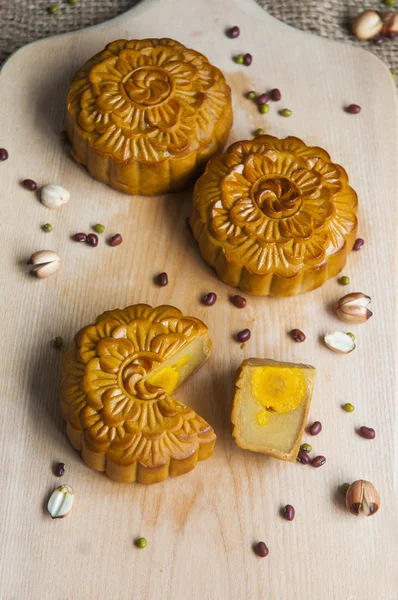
[(262, 550), (367, 432), (60, 470), (247, 59), (238, 301), (289, 512), (162, 279), (359, 243), (244, 335), (116, 240), (318, 461), (92, 240), (234, 32), (297, 335), (303, 458), (80, 237), (262, 99), (3, 154), (276, 95), (353, 109), (30, 185), (315, 428), (210, 299)]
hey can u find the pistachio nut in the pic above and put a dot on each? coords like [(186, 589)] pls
[(45, 263), (353, 308)]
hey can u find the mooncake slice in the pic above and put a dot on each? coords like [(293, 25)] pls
[(116, 393), (271, 405), (274, 216)]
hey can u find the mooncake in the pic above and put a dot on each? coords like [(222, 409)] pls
[(144, 116), (274, 216), (117, 391)]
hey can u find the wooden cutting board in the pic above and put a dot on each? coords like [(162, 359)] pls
[(200, 527)]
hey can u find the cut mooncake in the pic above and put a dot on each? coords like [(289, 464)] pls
[(274, 216), (271, 405), (116, 393), (144, 116)]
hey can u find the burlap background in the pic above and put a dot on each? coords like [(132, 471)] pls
[(22, 21)]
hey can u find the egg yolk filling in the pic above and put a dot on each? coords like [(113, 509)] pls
[(168, 377), (277, 389)]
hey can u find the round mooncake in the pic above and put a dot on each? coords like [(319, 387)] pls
[(116, 393), (144, 116), (274, 216)]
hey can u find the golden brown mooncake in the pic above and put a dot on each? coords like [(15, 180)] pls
[(274, 216), (270, 406), (144, 116), (116, 393)]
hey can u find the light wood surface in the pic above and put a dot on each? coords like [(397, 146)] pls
[(200, 527)]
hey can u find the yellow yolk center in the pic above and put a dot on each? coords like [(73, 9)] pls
[(277, 389), (168, 377)]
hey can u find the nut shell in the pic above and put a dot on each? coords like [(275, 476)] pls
[(144, 116)]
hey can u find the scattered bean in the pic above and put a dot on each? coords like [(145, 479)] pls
[(286, 112), (315, 428), (54, 8), (60, 470), (141, 543), (344, 280), (30, 185), (289, 512), (116, 240), (92, 240), (348, 407), (359, 243), (353, 109), (238, 301), (3, 154), (263, 99), (318, 461), (80, 237), (297, 335), (276, 95), (390, 3), (251, 95), (73, 2), (247, 59), (303, 458), (162, 279), (343, 488), (259, 131), (367, 432), (262, 550), (99, 228), (209, 299), (234, 32), (244, 335), (58, 342), (380, 39), (307, 448), (47, 228), (264, 108), (239, 59)]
